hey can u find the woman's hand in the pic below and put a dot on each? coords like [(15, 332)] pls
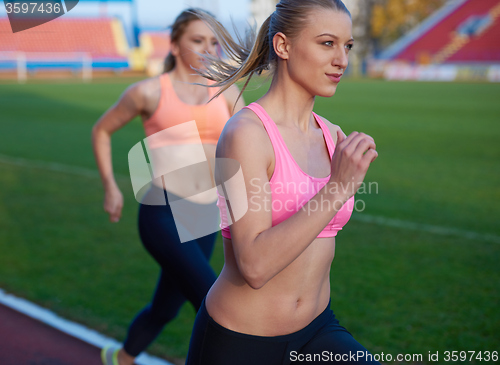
[(136, 100), (113, 203), (350, 162)]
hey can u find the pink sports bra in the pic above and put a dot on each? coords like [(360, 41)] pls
[(292, 188)]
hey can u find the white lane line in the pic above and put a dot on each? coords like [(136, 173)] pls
[(52, 166), (71, 328), (390, 222), (439, 230)]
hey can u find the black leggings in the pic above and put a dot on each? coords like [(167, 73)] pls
[(323, 341), (185, 273)]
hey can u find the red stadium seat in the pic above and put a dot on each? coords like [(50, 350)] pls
[(102, 38), (482, 47)]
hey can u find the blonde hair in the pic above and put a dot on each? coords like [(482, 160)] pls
[(255, 53), (177, 30)]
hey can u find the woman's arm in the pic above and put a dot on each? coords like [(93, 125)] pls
[(130, 104), (262, 251)]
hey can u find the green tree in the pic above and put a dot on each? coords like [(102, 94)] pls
[(391, 19)]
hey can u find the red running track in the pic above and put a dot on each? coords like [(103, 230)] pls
[(26, 341)]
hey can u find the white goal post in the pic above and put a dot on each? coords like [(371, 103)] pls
[(24, 61)]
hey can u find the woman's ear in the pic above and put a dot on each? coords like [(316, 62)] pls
[(281, 45), (174, 49)]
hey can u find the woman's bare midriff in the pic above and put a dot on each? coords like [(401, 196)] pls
[(194, 182), (285, 304)]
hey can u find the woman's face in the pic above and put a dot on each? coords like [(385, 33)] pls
[(318, 56), (197, 38)]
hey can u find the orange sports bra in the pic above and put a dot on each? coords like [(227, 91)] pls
[(171, 111)]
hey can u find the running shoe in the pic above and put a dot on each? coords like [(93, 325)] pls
[(109, 355)]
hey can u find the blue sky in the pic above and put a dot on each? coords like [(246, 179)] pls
[(154, 14), (157, 11), (158, 14)]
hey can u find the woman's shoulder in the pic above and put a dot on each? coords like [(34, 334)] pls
[(145, 94), (144, 90), (244, 131), (244, 123), (150, 87), (333, 128), (140, 96)]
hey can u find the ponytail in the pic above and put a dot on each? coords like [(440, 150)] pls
[(169, 63), (252, 56), (256, 54)]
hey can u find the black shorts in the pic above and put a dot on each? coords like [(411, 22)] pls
[(323, 341)]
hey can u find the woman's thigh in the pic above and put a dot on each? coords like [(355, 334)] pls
[(186, 264), (333, 345)]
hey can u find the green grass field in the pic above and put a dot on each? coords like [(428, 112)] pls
[(398, 290)]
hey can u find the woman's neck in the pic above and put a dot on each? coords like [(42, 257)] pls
[(288, 103), (187, 87), (180, 74)]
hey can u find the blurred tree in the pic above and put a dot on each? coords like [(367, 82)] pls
[(390, 19)]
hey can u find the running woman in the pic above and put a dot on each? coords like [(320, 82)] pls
[(271, 303), (163, 102)]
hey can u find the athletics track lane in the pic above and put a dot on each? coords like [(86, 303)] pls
[(26, 341)]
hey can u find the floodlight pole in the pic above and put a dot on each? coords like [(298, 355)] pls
[(135, 21)]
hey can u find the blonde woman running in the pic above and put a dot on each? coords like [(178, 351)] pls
[(271, 302)]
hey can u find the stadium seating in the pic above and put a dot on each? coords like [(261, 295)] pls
[(468, 32), (483, 47), (156, 44), (155, 47), (101, 38)]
